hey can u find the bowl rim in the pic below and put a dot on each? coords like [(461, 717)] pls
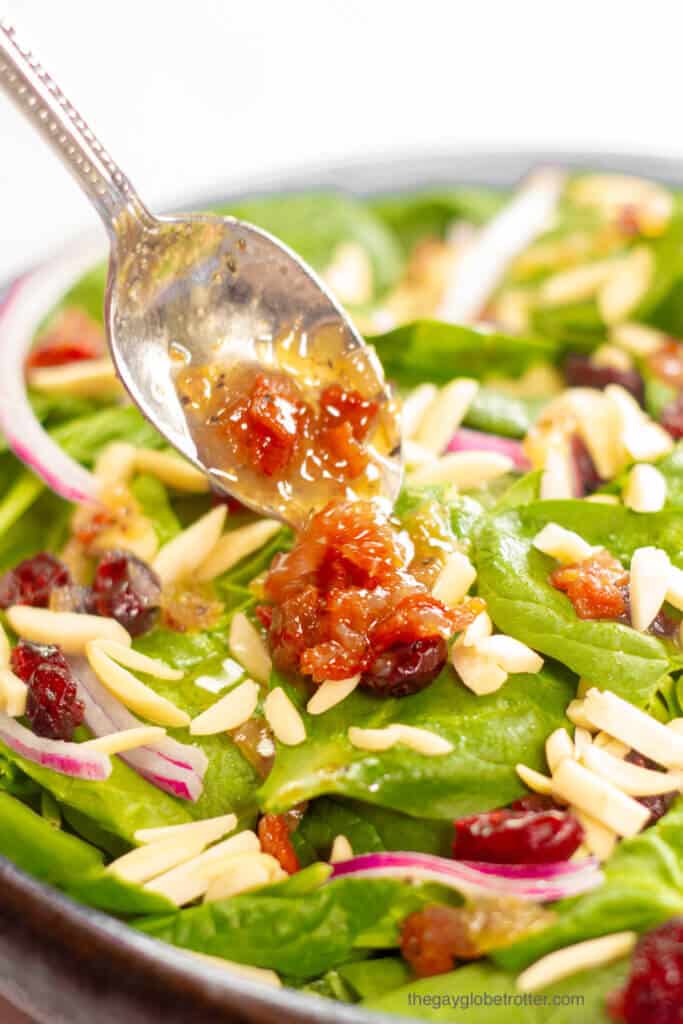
[(85, 933)]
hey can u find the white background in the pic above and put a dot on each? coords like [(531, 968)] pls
[(193, 95)]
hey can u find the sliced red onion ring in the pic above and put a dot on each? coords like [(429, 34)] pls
[(178, 768), (20, 316), (486, 259), (71, 759), (540, 882), (466, 440)]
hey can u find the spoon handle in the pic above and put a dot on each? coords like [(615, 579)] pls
[(43, 103)]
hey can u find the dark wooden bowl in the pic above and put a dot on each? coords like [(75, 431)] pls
[(63, 963)]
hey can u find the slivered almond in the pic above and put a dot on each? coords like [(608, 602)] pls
[(139, 662), (415, 455), (603, 741), (87, 378), (648, 585), (480, 674), (414, 408), (229, 712), (211, 829), (5, 649), (582, 743), (445, 414), (283, 718), (631, 778), (599, 798), (612, 357), (643, 439), (455, 579), (236, 545), (148, 862), (115, 464), (183, 555), (509, 654), (563, 545), (130, 691), (248, 647), (572, 959), (69, 630), (557, 479), (421, 740), (558, 746), (126, 739), (330, 693), (638, 339), (341, 850), (190, 880), (171, 470), (464, 469), (536, 781), (478, 629), (638, 730), (242, 874), (627, 285), (599, 839), (13, 693), (674, 594), (260, 974), (577, 715), (576, 284), (645, 489)]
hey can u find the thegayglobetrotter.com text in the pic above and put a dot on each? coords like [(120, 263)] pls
[(464, 1001)]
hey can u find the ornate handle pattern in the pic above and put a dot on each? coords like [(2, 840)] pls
[(42, 102)]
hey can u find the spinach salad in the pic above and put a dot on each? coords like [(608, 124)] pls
[(405, 757)]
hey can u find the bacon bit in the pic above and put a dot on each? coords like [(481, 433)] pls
[(342, 598), (72, 337), (271, 426), (434, 939), (273, 832), (596, 586), (667, 363)]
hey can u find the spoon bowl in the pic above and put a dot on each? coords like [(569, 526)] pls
[(217, 291)]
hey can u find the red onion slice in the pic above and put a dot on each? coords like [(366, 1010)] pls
[(20, 316), (484, 262), (466, 440), (540, 882), (175, 767), (71, 759)]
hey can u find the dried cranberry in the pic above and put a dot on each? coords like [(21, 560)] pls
[(517, 837), (581, 372), (406, 668), (273, 831), (126, 589), (659, 804), (27, 656), (586, 476), (432, 939), (53, 706), (32, 581), (653, 993), (672, 418)]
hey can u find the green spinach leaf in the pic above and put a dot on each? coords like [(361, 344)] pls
[(513, 579)]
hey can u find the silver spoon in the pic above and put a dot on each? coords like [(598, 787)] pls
[(212, 290)]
